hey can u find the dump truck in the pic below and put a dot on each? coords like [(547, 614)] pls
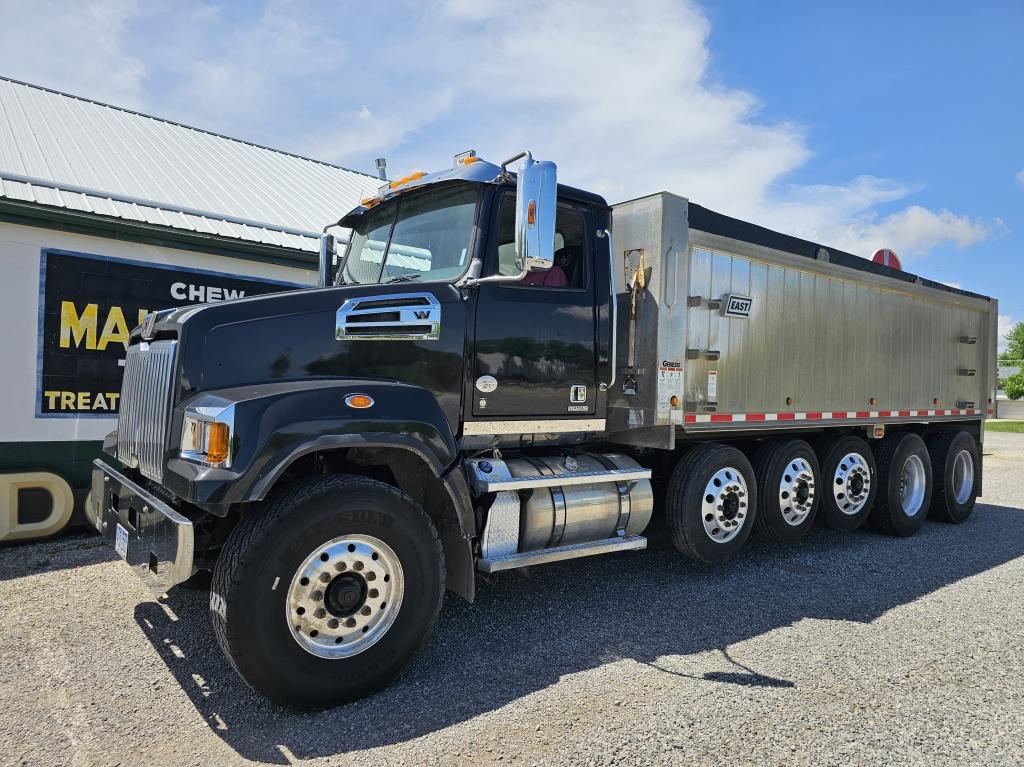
[(501, 372)]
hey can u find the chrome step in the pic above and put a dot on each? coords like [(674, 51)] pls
[(498, 483), (559, 553)]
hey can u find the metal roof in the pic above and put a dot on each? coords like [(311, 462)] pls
[(63, 151)]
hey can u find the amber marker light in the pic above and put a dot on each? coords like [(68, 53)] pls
[(531, 213), (359, 401), (674, 401), (217, 436)]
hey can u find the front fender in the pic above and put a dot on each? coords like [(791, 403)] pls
[(274, 424)]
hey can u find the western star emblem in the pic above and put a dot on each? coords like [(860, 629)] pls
[(147, 325)]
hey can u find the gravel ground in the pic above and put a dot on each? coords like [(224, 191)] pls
[(849, 649)]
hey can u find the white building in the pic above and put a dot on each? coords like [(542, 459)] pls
[(106, 213)]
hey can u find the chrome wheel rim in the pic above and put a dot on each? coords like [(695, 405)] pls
[(912, 485), (796, 491), (724, 508), (345, 596), (851, 483), (963, 476)]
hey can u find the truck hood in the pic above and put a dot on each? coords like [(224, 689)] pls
[(291, 336)]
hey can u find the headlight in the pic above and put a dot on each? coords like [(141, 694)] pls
[(206, 436)]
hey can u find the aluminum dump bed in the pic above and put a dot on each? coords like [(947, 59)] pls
[(725, 325)]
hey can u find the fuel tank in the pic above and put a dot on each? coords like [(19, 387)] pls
[(562, 515)]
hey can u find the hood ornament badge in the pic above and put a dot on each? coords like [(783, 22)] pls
[(147, 326)]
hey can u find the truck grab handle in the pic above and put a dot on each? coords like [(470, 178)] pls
[(613, 306)]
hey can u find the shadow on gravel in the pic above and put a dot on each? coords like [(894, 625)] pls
[(525, 632), (34, 557)]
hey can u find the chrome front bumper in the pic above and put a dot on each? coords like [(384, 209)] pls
[(159, 541)]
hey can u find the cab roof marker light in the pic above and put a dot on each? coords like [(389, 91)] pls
[(406, 179), (465, 158)]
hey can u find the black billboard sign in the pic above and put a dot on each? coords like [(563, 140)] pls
[(87, 306)]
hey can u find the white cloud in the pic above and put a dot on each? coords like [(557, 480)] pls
[(73, 47), (1006, 324), (619, 95), (910, 232), (956, 285), (625, 105), (1020, 176)]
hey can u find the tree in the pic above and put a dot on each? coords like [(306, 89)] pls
[(1014, 386), (1015, 348)]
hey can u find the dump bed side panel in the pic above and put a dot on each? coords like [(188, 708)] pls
[(774, 339), (819, 340)]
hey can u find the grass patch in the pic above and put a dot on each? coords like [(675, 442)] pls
[(1016, 427)]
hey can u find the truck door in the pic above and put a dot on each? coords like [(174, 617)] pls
[(535, 349)]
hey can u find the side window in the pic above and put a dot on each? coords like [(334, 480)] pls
[(569, 270)]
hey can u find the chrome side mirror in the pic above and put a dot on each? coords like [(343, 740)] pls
[(536, 205)]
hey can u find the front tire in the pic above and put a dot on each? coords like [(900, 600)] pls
[(711, 502), (324, 595), (905, 484)]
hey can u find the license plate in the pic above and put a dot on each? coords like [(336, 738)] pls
[(121, 541)]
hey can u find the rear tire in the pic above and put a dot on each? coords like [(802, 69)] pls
[(300, 592), (788, 478), (848, 483), (955, 468), (905, 484), (711, 503)]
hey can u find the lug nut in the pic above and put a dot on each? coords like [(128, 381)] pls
[(317, 595), (320, 613), (325, 577)]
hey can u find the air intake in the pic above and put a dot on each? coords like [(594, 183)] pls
[(399, 317)]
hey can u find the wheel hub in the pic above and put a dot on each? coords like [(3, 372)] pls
[(856, 484), (851, 483), (724, 508), (345, 596), (963, 476), (796, 491), (912, 485)]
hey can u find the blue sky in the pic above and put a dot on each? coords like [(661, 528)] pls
[(861, 125)]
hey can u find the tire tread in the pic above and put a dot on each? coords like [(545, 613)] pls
[(253, 527)]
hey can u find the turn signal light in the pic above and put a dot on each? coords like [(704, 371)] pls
[(531, 213), (674, 401), (359, 401), (217, 451)]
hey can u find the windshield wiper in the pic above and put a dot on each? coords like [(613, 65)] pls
[(402, 278)]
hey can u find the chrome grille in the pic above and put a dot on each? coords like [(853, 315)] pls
[(146, 407)]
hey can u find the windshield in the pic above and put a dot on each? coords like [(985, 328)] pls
[(425, 236)]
